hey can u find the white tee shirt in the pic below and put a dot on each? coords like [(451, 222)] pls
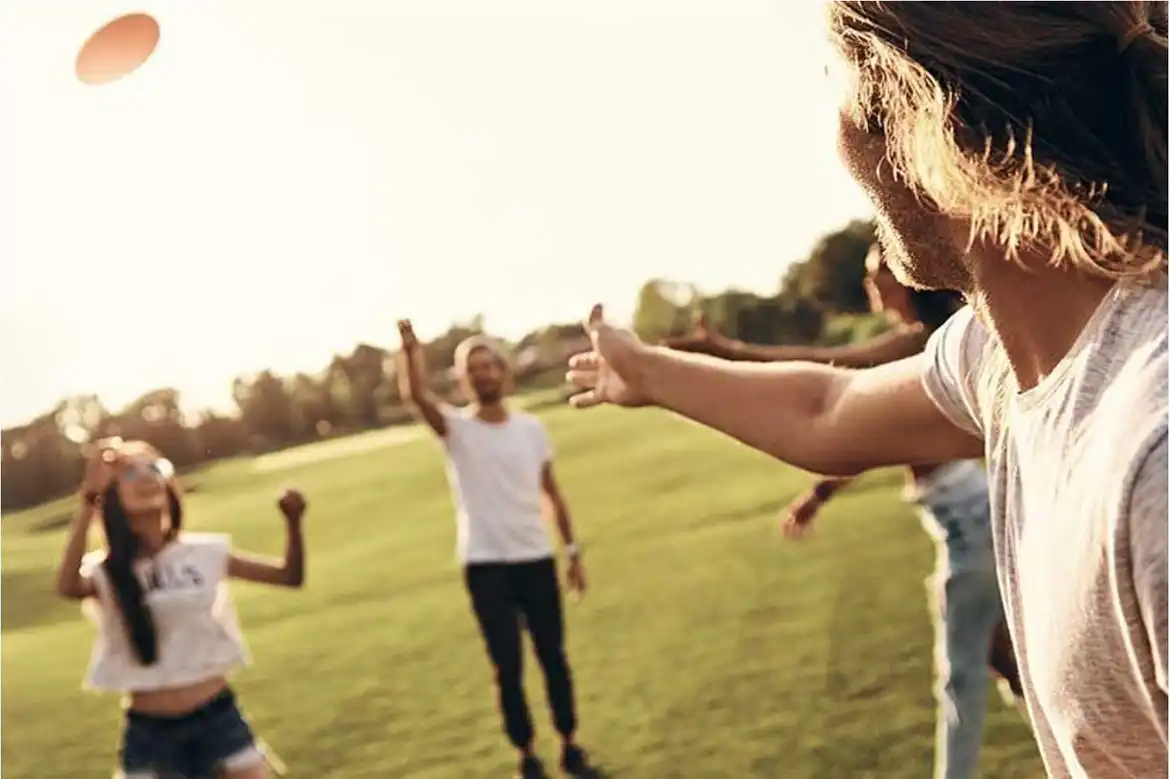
[(494, 470), (1078, 479), (186, 590)]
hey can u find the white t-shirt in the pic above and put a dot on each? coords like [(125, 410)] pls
[(494, 470), (1078, 478), (186, 590)]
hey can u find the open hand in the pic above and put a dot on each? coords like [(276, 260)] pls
[(292, 504), (799, 516), (611, 372)]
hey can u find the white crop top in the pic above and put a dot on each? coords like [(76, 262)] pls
[(186, 590)]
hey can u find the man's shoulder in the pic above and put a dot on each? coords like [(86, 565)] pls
[(1128, 371)]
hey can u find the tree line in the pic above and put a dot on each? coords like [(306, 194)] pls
[(819, 299)]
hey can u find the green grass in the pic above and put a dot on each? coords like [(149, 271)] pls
[(705, 648)]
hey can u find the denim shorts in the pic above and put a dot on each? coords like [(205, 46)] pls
[(195, 745)]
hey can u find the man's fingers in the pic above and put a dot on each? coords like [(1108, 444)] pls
[(583, 379), (587, 399), (586, 361)]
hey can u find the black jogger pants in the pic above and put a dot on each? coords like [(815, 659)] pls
[(505, 597)]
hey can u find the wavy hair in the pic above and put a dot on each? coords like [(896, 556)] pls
[(1042, 123)]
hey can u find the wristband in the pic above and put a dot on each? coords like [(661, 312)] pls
[(573, 551)]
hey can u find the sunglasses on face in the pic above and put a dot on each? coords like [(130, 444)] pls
[(159, 469)]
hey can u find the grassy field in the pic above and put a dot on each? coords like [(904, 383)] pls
[(706, 648)]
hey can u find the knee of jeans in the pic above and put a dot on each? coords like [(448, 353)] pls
[(959, 680)]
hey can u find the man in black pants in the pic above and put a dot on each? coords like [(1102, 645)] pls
[(499, 464)]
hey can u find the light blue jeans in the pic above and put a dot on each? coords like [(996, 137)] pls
[(966, 607)]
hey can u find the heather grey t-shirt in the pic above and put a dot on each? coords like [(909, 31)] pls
[(1078, 475)]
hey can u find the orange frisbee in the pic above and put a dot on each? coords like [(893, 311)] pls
[(117, 49)]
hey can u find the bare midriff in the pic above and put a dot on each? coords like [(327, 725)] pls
[(176, 700)]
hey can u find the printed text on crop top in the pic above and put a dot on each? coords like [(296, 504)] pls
[(187, 593)]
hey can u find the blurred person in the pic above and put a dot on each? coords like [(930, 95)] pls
[(499, 466), (954, 507), (1015, 152), (167, 633)]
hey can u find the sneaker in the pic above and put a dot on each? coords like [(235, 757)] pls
[(574, 761), (530, 767)]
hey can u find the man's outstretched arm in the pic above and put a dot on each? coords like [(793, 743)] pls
[(827, 420)]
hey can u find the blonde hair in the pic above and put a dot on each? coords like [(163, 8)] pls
[(1042, 123)]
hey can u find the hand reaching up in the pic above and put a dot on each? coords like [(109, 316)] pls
[(612, 372)]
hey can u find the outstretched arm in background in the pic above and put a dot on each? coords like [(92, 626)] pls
[(289, 572), (412, 382), (895, 345)]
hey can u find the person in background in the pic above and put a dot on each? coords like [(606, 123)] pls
[(1015, 152), (167, 634), (953, 504), (500, 469)]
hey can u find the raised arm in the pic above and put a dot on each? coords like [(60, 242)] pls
[(70, 583), (412, 382), (99, 472), (289, 572)]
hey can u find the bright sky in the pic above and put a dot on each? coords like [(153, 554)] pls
[(285, 178)]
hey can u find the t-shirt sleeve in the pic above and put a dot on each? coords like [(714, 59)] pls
[(455, 420), (952, 358), (1147, 540)]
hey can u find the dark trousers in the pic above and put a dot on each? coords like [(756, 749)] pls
[(506, 596)]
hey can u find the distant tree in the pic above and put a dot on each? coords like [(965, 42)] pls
[(267, 410), (156, 418), (835, 270), (38, 463), (364, 369), (220, 436), (665, 308)]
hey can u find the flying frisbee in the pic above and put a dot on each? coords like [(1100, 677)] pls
[(117, 50)]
